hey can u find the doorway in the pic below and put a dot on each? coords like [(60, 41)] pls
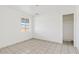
[(68, 29)]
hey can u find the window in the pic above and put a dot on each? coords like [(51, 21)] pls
[(24, 24)]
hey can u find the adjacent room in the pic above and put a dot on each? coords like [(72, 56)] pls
[(39, 29)]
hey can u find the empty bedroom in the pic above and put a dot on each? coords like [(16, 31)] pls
[(39, 29)]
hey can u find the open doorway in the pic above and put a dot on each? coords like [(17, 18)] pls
[(68, 29)]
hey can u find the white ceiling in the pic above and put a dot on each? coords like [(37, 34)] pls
[(43, 9)]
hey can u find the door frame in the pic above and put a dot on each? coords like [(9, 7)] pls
[(74, 31)]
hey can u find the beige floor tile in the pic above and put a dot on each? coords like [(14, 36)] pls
[(36, 46)]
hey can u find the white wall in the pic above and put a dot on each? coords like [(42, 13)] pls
[(68, 27), (49, 25), (77, 27), (10, 26)]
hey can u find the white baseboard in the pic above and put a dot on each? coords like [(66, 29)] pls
[(42, 38), (15, 42)]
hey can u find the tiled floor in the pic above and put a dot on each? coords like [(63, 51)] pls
[(35, 46)]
